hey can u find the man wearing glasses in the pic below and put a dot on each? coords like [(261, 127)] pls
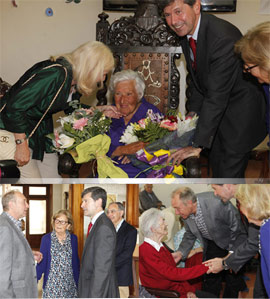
[(231, 106)]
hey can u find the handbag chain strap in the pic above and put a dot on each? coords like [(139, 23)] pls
[(53, 100)]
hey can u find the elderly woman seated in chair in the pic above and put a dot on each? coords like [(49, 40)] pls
[(157, 268), (127, 88)]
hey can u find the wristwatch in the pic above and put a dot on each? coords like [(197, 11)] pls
[(224, 265), (20, 141)]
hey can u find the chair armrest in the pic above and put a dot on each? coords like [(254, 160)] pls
[(193, 167)]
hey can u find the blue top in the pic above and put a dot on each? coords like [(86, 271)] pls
[(45, 265), (266, 88), (117, 129), (265, 254)]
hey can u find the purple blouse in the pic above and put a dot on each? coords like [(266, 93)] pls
[(117, 129)]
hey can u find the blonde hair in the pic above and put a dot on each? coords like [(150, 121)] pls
[(89, 62), (67, 214), (254, 46), (255, 198)]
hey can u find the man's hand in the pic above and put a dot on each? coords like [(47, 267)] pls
[(214, 265), (182, 154), (37, 256), (177, 256), (128, 149), (109, 111)]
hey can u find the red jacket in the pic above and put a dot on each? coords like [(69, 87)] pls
[(158, 270)]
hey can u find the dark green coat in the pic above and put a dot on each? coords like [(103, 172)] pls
[(25, 104)]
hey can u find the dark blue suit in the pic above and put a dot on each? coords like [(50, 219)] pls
[(125, 244)]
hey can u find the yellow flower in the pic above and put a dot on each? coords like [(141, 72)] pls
[(148, 156), (161, 152), (178, 169)]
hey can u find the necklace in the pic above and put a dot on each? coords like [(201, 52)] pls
[(263, 223)]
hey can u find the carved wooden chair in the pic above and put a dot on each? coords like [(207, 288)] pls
[(144, 43)]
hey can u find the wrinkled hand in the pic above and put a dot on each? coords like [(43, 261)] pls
[(124, 160), (110, 111), (22, 153), (182, 154), (177, 256), (128, 149), (38, 256), (214, 265)]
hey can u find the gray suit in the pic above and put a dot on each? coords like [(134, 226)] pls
[(226, 230), (222, 221), (98, 275), (148, 201), (17, 265)]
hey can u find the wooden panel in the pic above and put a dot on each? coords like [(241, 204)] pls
[(132, 214), (75, 192), (154, 68)]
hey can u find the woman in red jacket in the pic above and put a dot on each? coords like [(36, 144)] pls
[(157, 267)]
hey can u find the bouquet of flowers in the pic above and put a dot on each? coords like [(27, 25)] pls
[(82, 134), (164, 134)]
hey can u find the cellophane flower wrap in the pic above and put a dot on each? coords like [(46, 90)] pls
[(83, 135), (164, 134)]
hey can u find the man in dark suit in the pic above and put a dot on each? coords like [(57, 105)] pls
[(98, 276), (218, 227), (148, 198), (245, 251), (231, 106), (125, 245)]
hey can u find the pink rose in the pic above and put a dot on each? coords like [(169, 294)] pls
[(80, 123), (56, 138), (141, 122), (167, 124)]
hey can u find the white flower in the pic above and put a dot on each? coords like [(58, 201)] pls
[(65, 141), (66, 119), (128, 136), (186, 125)]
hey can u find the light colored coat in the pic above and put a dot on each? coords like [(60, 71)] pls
[(17, 265)]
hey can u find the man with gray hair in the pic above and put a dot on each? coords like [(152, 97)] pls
[(17, 261), (218, 227), (125, 244)]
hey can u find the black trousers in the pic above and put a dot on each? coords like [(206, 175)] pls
[(226, 163), (212, 283)]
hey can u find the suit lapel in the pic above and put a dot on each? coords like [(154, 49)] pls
[(20, 236), (91, 234), (186, 51)]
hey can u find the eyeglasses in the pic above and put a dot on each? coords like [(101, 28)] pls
[(247, 69), (63, 222)]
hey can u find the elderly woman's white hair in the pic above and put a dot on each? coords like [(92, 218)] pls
[(128, 75), (150, 219)]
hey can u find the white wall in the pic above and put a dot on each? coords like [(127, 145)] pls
[(27, 35)]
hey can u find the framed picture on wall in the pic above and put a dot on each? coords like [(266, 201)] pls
[(207, 5)]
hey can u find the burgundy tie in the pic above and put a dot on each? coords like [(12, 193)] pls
[(89, 228), (192, 44)]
